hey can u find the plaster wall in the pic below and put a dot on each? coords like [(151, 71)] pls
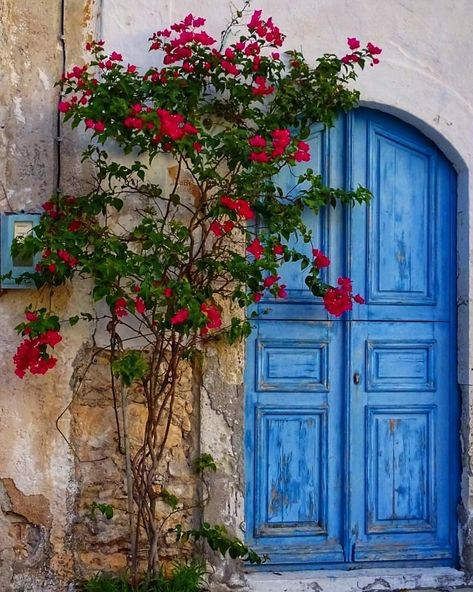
[(423, 78)]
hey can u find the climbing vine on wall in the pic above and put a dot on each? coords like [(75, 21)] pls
[(229, 116)]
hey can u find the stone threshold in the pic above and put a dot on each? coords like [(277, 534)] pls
[(362, 580)]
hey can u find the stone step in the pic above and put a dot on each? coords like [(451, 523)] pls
[(439, 579)]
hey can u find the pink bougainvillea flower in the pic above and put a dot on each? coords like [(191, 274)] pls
[(345, 284), (359, 299), (214, 320), (228, 226), (320, 260), (270, 280), (282, 292), (120, 307), (64, 106), (259, 157), (140, 306), (261, 88), (337, 301), (31, 316), (99, 126), (51, 338), (278, 249), (302, 153), (256, 248), (353, 43), (216, 228), (74, 225), (257, 142), (167, 292), (373, 49), (180, 317), (229, 67), (257, 296)]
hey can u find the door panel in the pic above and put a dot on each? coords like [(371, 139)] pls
[(400, 501), (293, 437), (352, 423)]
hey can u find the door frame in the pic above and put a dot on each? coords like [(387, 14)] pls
[(220, 394)]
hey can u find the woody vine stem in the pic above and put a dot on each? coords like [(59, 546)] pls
[(175, 267)]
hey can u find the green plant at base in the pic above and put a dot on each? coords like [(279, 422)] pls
[(186, 577)]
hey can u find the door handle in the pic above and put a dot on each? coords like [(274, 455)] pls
[(356, 378)]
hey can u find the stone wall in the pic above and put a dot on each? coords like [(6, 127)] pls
[(100, 543)]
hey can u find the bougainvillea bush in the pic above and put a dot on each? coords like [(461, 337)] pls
[(229, 115)]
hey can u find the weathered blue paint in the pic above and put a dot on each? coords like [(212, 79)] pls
[(7, 263), (352, 424)]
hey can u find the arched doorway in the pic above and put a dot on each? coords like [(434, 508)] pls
[(352, 424)]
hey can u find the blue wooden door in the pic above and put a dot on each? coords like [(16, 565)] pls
[(352, 424)]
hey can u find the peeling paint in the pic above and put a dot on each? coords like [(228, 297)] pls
[(18, 110), (44, 79)]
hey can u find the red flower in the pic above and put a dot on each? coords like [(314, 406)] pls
[(74, 225), (131, 69), (257, 296), (244, 210), (257, 142), (99, 126), (256, 248), (240, 206), (359, 299), (64, 106), (31, 316), (228, 226), (197, 147), (51, 338), (180, 317), (353, 43), (50, 208), (270, 280), (64, 255), (216, 228), (345, 284), (278, 249), (261, 87), (302, 152), (282, 293), (372, 49), (337, 301), (259, 157), (167, 292), (229, 67), (89, 123), (120, 307), (140, 306), (52, 268), (214, 320), (320, 260), (116, 57)]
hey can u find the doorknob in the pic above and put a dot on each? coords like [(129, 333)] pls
[(356, 378)]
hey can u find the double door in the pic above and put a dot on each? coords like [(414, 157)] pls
[(351, 439)]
